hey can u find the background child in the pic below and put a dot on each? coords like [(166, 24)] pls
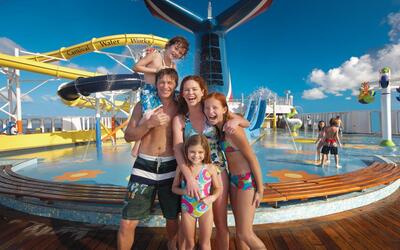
[(197, 153), (149, 65), (331, 142), (319, 142)]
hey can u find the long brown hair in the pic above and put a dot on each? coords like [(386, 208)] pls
[(183, 107), (198, 140)]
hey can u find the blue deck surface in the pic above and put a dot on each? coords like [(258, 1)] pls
[(276, 153)]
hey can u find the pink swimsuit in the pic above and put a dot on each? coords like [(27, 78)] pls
[(189, 204)]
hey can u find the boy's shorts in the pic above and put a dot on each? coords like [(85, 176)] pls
[(149, 98), (140, 196), (332, 149)]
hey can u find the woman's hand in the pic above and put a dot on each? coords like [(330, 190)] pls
[(192, 188), (231, 126)]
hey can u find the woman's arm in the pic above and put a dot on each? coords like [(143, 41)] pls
[(176, 185), (216, 185), (240, 141), (234, 123), (177, 133)]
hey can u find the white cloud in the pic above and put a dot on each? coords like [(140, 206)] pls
[(25, 98), (7, 46), (313, 94), (70, 65), (103, 70), (394, 22), (348, 98), (50, 98), (351, 73)]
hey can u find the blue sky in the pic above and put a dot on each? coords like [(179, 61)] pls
[(320, 50)]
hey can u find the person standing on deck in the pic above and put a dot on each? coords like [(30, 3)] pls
[(155, 167)]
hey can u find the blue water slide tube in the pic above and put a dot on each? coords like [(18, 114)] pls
[(258, 120), (250, 109), (252, 119)]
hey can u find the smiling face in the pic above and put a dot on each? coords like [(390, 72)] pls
[(166, 86), (192, 92), (196, 154), (175, 52), (215, 111)]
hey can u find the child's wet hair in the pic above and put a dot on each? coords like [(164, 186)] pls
[(198, 140), (180, 41), (334, 122)]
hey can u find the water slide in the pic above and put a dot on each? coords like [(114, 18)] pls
[(259, 115), (96, 44), (86, 86), (39, 64), (255, 113), (248, 115)]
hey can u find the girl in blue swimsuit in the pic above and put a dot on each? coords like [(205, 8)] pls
[(197, 153)]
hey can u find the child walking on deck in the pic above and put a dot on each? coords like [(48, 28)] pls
[(319, 142), (331, 142)]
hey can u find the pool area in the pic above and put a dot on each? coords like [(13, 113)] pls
[(281, 159)]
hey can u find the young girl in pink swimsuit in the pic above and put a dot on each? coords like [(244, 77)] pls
[(197, 154)]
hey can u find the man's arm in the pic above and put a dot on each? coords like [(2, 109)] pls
[(130, 132)]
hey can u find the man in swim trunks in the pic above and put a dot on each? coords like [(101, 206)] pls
[(154, 169)]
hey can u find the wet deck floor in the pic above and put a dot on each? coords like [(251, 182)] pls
[(376, 226)]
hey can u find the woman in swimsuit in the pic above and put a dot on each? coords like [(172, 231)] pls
[(191, 120), (246, 189), (197, 153)]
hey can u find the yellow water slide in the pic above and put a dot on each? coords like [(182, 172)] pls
[(40, 63), (96, 44)]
